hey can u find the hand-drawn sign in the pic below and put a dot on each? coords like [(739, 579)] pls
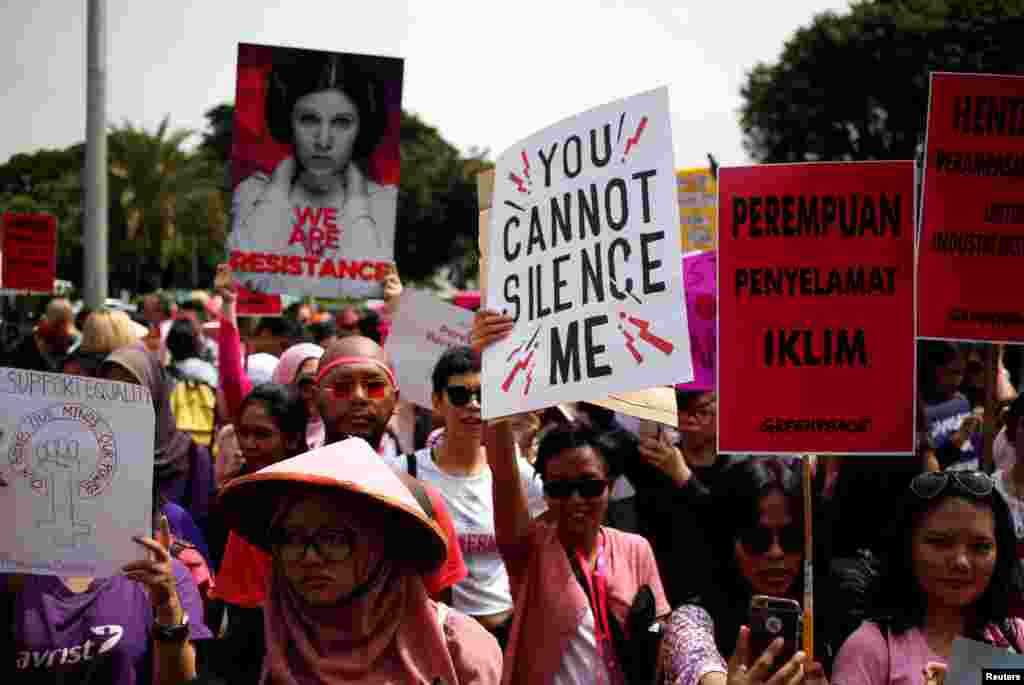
[(67, 452)]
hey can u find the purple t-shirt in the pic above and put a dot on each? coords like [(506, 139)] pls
[(97, 636)]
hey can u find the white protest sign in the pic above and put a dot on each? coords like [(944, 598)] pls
[(973, 662), (584, 253), (422, 330), (77, 456)]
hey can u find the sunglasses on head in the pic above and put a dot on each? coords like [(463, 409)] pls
[(759, 539), (460, 395), (588, 488), (932, 484)]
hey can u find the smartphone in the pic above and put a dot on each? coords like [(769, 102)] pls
[(771, 618)]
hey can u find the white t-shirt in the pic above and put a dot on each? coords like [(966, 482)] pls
[(581, 662), (485, 590)]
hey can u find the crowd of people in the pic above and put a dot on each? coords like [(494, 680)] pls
[(311, 526)]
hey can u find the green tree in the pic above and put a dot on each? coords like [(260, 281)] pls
[(170, 201), (437, 205), (854, 86)]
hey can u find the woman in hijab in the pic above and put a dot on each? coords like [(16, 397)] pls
[(183, 470), (347, 602), (297, 367)]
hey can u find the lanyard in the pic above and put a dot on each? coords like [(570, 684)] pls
[(597, 593)]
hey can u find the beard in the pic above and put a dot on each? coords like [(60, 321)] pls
[(373, 435)]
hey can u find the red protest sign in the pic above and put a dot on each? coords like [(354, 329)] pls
[(251, 303), (816, 308), (972, 235), (29, 251)]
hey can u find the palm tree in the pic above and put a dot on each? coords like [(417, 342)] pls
[(169, 198)]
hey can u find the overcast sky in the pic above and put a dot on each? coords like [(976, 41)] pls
[(485, 73)]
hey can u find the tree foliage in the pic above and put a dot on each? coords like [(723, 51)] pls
[(854, 86)]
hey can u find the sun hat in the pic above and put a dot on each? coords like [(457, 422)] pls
[(353, 473)]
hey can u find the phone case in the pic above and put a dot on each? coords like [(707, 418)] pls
[(771, 618)]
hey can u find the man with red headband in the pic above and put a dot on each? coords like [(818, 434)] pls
[(358, 395)]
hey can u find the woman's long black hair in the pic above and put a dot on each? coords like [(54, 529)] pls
[(901, 603), (736, 506)]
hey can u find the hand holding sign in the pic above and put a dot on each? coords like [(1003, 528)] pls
[(660, 453), (488, 328)]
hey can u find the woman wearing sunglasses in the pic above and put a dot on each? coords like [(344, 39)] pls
[(573, 580), (950, 571), (757, 549), (346, 599)]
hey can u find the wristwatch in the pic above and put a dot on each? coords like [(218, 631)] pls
[(175, 633)]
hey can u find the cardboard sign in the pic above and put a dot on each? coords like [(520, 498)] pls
[(698, 204), (29, 252), (422, 330), (972, 662), (315, 161), (652, 404), (972, 237), (816, 308), (78, 461), (584, 255), (700, 275), (252, 303)]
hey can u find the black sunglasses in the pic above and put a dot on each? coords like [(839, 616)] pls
[(759, 539), (931, 484), (460, 395), (588, 488)]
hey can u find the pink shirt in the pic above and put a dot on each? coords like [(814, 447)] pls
[(866, 659)]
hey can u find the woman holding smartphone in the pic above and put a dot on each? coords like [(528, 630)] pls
[(757, 551)]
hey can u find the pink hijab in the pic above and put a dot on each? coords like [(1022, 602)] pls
[(389, 632), (287, 367)]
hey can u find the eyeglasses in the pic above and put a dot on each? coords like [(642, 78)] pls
[(329, 545), (931, 484), (460, 395), (374, 389), (758, 540), (588, 488)]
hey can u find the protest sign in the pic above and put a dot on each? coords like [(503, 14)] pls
[(698, 206), (78, 462), (699, 274), (315, 166), (970, 661), (583, 254), (421, 331), (252, 303), (29, 252), (653, 404), (972, 222), (816, 308)]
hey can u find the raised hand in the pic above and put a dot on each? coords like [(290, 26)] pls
[(488, 328)]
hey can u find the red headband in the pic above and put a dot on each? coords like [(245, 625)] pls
[(340, 361)]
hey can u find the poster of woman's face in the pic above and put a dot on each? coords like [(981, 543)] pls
[(315, 169)]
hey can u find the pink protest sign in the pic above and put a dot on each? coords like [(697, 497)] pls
[(701, 311)]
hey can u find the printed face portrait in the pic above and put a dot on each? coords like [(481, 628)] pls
[(953, 552), (325, 125)]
